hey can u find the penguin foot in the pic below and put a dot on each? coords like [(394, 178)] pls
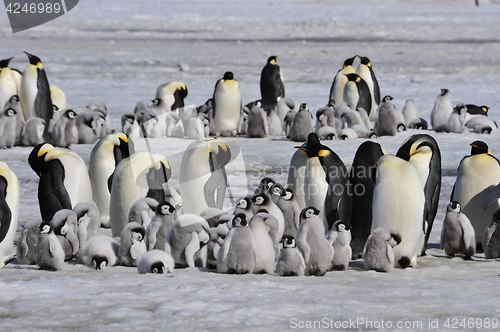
[(404, 262)]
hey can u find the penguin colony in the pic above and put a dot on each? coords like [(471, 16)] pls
[(289, 230)]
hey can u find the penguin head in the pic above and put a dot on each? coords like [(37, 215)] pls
[(260, 199), (444, 91), (138, 233), (289, 242), (164, 209), (277, 189), (219, 153), (272, 59), (70, 114), (158, 268), (228, 75), (353, 78), (479, 147), (123, 147), (349, 62), (365, 61), (45, 227), (244, 203), (240, 220), (394, 240), (14, 99), (5, 63), (387, 98), (266, 184), (310, 212), (158, 175), (341, 226), (460, 108), (99, 261), (10, 112), (454, 206), (34, 60), (158, 102), (303, 107), (287, 194), (314, 148), (37, 155)]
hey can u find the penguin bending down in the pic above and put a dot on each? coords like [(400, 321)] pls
[(227, 105), (290, 262), (9, 212), (365, 71), (172, 94), (27, 243), (340, 80), (456, 121), (132, 246), (100, 251), (378, 253), (457, 235), (142, 211), (264, 201), (156, 261), (64, 225), (33, 132), (88, 221)]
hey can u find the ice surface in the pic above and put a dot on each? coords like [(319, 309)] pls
[(121, 51)]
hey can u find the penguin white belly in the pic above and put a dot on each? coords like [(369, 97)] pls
[(78, 186), (100, 169), (338, 89), (28, 92), (228, 107), (8, 87), (193, 198), (351, 95), (296, 176), (477, 176), (366, 75), (12, 200), (422, 162), (315, 187)]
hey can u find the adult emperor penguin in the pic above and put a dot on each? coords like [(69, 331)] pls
[(423, 152), (132, 246), (237, 254), (202, 174), (172, 94), (156, 232), (8, 122), (362, 181), (312, 243), (186, 240), (491, 238), (9, 211), (457, 234), (130, 184), (340, 237), (302, 124), (258, 126), (227, 105), (291, 212), (64, 181), (441, 111), (378, 254), (337, 202), (156, 261), (65, 132), (357, 93), (290, 262), (296, 175), (27, 243), (399, 200), (272, 86), (49, 251), (8, 86), (340, 80), (365, 71), (105, 156), (35, 93), (100, 251), (477, 175)]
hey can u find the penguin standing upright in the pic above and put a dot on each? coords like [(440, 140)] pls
[(35, 93), (456, 121), (477, 175), (423, 152), (340, 237), (257, 124), (365, 71), (227, 105), (302, 124), (49, 251), (457, 234), (357, 93), (15, 104), (172, 94), (491, 239), (9, 211), (8, 121), (441, 111), (340, 80), (291, 212), (65, 132), (290, 262), (296, 175), (386, 123), (8, 86), (272, 87)]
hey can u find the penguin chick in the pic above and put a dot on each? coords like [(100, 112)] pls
[(456, 121), (33, 132), (378, 254), (65, 132), (88, 221), (156, 232), (457, 235), (264, 185), (64, 224), (441, 111), (265, 253), (340, 238), (257, 123), (291, 212), (244, 205), (491, 239), (100, 251), (263, 201), (290, 262), (142, 211), (275, 192), (27, 243), (132, 246), (302, 124), (8, 121), (156, 261), (49, 252), (386, 123)]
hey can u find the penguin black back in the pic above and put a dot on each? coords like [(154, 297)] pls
[(365, 97), (271, 83), (5, 212)]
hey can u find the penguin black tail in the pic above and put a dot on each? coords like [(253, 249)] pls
[(404, 262)]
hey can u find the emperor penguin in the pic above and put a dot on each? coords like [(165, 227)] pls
[(172, 94), (365, 71), (65, 132), (441, 111), (202, 174), (491, 238), (156, 232), (64, 181), (477, 175), (58, 98), (302, 124), (33, 132), (9, 212), (290, 262), (457, 234), (410, 112), (362, 179), (258, 126), (130, 126), (87, 126), (340, 80), (264, 201), (100, 251), (35, 93), (156, 261), (8, 121), (357, 93), (378, 253), (456, 121), (296, 175), (482, 125), (158, 105), (386, 123), (130, 183), (143, 211), (227, 105), (15, 104), (399, 201), (423, 152), (186, 240), (132, 246), (8, 86), (312, 243), (272, 86), (275, 123), (49, 252), (244, 205), (340, 237), (237, 254), (291, 212), (65, 227), (272, 227), (27, 243), (275, 192), (88, 221), (265, 185), (265, 255), (105, 156), (337, 199)]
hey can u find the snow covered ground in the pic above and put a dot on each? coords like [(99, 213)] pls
[(121, 51)]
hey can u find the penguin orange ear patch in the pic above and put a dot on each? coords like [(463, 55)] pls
[(27, 14)]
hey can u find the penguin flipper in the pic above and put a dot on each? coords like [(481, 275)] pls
[(24, 245), (53, 247), (281, 85), (376, 87), (226, 245), (151, 232), (303, 246), (191, 249), (332, 236), (43, 101), (488, 234), (167, 242), (494, 195)]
